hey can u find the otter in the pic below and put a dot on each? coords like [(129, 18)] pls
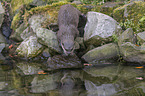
[(68, 19)]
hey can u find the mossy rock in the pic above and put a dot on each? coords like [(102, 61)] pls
[(49, 11), (16, 4), (108, 7), (131, 15)]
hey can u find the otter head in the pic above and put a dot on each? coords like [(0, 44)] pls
[(67, 44)]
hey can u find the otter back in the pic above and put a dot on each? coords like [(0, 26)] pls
[(68, 19)]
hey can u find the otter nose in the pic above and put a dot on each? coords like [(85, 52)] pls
[(68, 48)]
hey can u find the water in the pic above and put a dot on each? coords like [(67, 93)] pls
[(24, 79)]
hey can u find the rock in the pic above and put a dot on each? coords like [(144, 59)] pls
[(35, 22), (132, 53), (126, 36), (45, 36), (38, 3), (48, 38), (16, 35), (2, 11), (2, 46), (2, 38), (100, 28), (59, 62), (27, 33), (141, 38), (77, 2), (104, 52), (6, 30), (46, 53), (80, 40), (29, 48), (2, 58), (108, 7), (16, 5), (131, 15), (136, 0), (28, 68)]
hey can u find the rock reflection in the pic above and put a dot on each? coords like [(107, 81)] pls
[(112, 80), (121, 81)]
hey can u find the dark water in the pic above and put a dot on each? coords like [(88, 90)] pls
[(99, 80)]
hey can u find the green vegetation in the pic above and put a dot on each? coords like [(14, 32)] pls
[(115, 38), (16, 4), (135, 19), (49, 10), (15, 22), (131, 16)]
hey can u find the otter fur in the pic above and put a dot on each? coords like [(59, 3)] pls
[(68, 19)]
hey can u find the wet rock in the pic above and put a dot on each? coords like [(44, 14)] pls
[(25, 68), (2, 58), (107, 51), (141, 38), (2, 11), (59, 62), (29, 48), (45, 36), (126, 36), (100, 28), (133, 53)]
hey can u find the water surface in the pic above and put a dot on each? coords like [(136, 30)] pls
[(24, 79)]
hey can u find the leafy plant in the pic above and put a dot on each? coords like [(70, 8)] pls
[(115, 38), (130, 24)]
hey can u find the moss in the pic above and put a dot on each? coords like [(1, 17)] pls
[(15, 22), (115, 38), (108, 7), (130, 15), (142, 23), (50, 11), (15, 4)]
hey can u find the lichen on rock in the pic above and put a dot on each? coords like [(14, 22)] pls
[(29, 48)]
